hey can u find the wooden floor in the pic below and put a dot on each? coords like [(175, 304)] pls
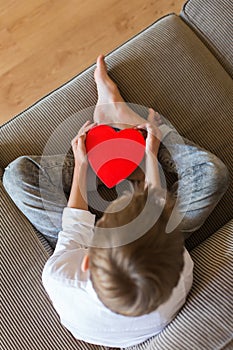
[(44, 43)]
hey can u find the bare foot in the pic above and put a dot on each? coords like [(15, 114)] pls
[(107, 89), (108, 94), (111, 107)]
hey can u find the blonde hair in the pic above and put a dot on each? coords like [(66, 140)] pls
[(135, 278)]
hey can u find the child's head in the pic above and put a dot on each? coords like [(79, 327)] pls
[(135, 278)]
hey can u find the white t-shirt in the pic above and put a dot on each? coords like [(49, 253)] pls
[(76, 301)]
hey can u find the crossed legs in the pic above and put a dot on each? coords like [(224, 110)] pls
[(41, 195)]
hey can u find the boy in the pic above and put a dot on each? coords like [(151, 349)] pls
[(118, 293)]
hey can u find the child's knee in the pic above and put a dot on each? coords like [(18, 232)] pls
[(16, 174), (211, 181), (221, 176)]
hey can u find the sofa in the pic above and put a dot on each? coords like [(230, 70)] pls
[(181, 66)]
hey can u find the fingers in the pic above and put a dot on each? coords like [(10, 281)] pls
[(144, 126), (89, 127), (151, 129), (75, 139), (153, 137), (83, 130)]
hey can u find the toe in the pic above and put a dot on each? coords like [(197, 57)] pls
[(100, 73), (101, 65)]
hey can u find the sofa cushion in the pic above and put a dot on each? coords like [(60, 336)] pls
[(212, 21), (205, 321)]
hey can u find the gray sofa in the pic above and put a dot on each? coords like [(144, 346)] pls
[(181, 66)]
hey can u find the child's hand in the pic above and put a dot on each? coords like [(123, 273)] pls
[(153, 138), (78, 144)]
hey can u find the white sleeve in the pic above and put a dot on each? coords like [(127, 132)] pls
[(77, 229), (65, 263)]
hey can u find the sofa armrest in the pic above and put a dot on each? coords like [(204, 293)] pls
[(212, 22)]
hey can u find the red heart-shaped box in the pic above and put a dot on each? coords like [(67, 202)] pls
[(114, 155)]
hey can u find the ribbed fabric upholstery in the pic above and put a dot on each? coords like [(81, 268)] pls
[(204, 323), (212, 20), (200, 325), (28, 321), (166, 67)]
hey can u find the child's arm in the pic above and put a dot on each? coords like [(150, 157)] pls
[(152, 171), (154, 135), (77, 224), (78, 193), (77, 221)]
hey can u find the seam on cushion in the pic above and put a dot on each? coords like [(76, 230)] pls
[(187, 19), (183, 10)]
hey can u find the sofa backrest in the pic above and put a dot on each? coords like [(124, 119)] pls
[(212, 21)]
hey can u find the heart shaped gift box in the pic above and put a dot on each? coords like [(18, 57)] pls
[(114, 155)]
